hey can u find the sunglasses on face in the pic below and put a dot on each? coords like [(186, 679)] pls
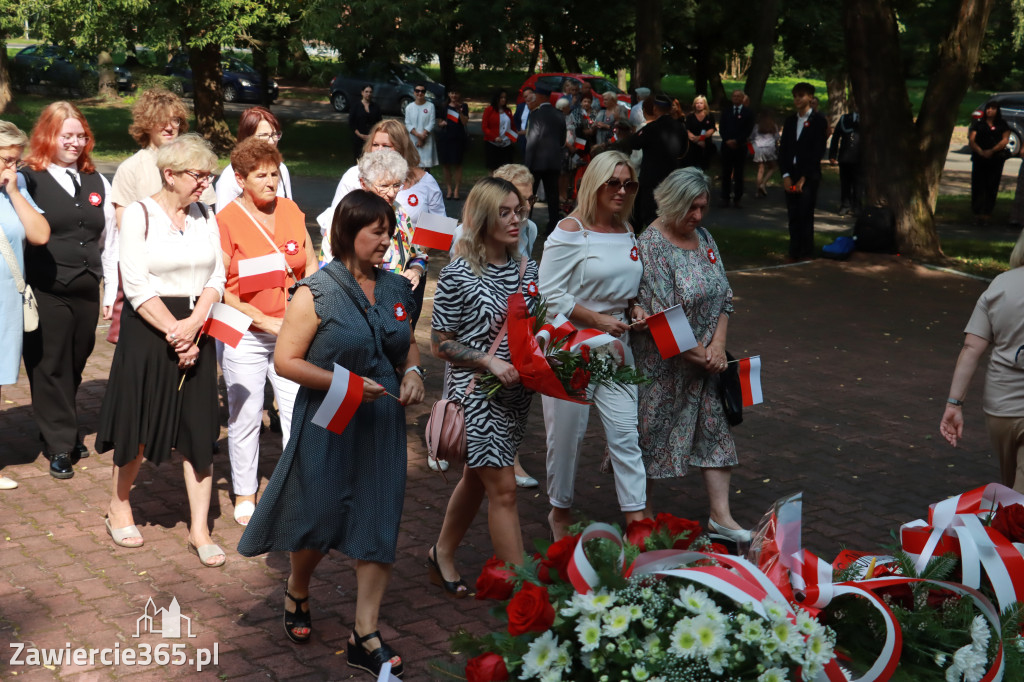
[(614, 184), (420, 92)]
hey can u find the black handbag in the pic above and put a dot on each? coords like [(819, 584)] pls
[(730, 391)]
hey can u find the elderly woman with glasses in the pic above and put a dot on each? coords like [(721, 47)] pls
[(162, 391), (259, 123), (65, 275), (21, 223), (257, 225), (590, 274)]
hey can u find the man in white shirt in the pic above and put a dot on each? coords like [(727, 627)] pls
[(636, 114)]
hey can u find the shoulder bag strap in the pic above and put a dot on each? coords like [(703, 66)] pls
[(266, 236), (501, 333), (12, 262)]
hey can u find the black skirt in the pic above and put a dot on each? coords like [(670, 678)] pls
[(142, 404)]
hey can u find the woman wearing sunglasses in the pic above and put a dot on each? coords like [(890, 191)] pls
[(590, 273)]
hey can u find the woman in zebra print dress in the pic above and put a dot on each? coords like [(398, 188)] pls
[(470, 308)]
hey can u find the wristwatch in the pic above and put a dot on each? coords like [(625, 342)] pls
[(414, 368), (954, 401)]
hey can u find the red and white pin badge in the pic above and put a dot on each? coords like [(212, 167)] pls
[(400, 312), (95, 199), (531, 288), (711, 256), (634, 254), (291, 247), (413, 200)]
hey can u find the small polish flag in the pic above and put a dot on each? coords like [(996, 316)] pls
[(510, 134), (613, 138), (580, 143), (341, 401), (264, 272), (750, 381), (750, 148), (453, 116), (434, 231), (226, 324), (671, 331)]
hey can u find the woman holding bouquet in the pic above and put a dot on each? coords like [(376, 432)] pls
[(470, 310), (590, 274), (682, 422)]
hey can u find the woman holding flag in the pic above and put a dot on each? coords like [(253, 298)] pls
[(682, 422), (340, 484), (590, 272), (266, 249), (162, 391)]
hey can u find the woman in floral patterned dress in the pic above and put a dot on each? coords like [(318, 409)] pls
[(682, 422)]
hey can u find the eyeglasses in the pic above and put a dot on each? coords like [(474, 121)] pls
[(532, 199), (11, 161), (269, 137), (419, 91), (175, 122), (521, 213), (382, 189), (614, 184), (68, 139), (200, 178)]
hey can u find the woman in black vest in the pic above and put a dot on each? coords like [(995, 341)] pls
[(65, 274)]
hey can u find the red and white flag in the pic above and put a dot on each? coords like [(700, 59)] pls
[(434, 231), (750, 381), (341, 401), (559, 327), (671, 331), (580, 144), (510, 134), (453, 116), (226, 324), (264, 272)]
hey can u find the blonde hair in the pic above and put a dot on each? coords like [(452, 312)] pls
[(1017, 255), (11, 135), (400, 140), (676, 193), (479, 214), (516, 173), (700, 98), (600, 170), (186, 152)]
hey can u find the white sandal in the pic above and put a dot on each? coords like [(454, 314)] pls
[(7, 483), (246, 508)]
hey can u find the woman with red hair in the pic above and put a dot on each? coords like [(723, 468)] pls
[(259, 123), (65, 274)]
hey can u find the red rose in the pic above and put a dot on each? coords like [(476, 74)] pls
[(530, 610), (580, 380), (717, 548), (676, 526), (495, 581), (487, 667), (1010, 522), (585, 353), (637, 532), (557, 559)]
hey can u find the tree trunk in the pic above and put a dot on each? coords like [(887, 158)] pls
[(648, 48), (534, 56), (701, 66), (764, 52), (5, 78), (716, 90), (554, 63), (259, 62), (108, 81), (208, 97), (446, 60), (836, 84), (903, 162)]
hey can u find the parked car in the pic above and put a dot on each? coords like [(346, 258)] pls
[(551, 84), (1011, 106), (60, 67), (392, 86), (240, 82)]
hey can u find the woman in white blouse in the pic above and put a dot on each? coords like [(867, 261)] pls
[(162, 391), (590, 272)]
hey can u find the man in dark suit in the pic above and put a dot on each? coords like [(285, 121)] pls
[(545, 138), (734, 127), (522, 117), (663, 144), (800, 152)]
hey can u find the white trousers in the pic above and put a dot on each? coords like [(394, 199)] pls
[(566, 424), (246, 370)]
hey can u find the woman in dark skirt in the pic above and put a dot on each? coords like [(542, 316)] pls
[(452, 141), (172, 273), (344, 491)]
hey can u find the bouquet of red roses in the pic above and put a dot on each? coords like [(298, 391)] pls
[(556, 359)]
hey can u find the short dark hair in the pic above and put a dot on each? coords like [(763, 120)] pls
[(803, 88), (252, 153), (358, 209)]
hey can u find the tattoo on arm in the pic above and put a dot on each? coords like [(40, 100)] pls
[(447, 348)]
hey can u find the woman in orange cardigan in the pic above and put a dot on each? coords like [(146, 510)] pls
[(497, 122)]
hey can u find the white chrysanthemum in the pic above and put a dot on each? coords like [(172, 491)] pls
[(775, 610), (751, 632), (979, 633), (595, 602), (683, 642), (710, 634), (639, 672), (589, 631), (773, 675), (940, 659), (805, 622), (811, 671), (789, 638), (616, 621), (652, 645), (970, 662), (646, 593), (649, 623), (563, 657), (692, 599), (717, 661), (540, 656), (636, 612), (817, 649), (553, 675)]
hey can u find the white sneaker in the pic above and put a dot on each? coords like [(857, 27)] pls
[(7, 483)]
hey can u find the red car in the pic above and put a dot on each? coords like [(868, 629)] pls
[(551, 84)]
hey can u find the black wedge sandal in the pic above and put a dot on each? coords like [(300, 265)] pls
[(454, 588), (372, 661), (297, 619)]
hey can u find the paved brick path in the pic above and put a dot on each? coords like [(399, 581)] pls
[(857, 359)]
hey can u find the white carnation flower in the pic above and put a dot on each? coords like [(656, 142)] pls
[(979, 633), (970, 662)]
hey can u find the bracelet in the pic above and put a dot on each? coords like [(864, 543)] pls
[(414, 368), (954, 401)]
